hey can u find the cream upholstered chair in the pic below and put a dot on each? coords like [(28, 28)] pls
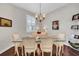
[(46, 46), (29, 45), (59, 44), (17, 41)]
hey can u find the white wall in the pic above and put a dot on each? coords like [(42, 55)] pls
[(18, 17), (64, 15)]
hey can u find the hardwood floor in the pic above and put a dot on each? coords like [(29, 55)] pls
[(10, 52), (67, 52)]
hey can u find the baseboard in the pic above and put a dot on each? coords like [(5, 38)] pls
[(6, 49)]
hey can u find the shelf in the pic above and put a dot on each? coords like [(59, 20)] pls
[(74, 45)]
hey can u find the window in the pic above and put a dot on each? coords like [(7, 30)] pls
[(30, 23)]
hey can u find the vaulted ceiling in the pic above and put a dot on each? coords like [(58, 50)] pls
[(35, 7)]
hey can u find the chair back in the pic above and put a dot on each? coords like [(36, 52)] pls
[(46, 45), (29, 45), (16, 37)]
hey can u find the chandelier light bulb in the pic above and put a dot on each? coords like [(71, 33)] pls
[(44, 27), (36, 16), (44, 15)]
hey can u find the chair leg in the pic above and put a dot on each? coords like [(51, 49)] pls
[(56, 50), (34, 53), (16, 51), (22, 50), (59, 52), (62, 51), (25, 53), (51, 51), (42, 53)]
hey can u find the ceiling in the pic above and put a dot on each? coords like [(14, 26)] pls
[(35, 7)]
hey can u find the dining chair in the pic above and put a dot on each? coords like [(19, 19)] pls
[(60, 44), (17, 42), (29, 46), (46, 46)]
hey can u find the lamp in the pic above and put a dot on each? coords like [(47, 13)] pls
[(41, 30), (40, 17)]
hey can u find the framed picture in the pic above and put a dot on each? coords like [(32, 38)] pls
[(55, 25), (5, 22), (75, 27), (76, 36), (75, 17)]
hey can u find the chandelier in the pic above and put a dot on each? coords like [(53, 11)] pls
[(41, 29), (40, 17)]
